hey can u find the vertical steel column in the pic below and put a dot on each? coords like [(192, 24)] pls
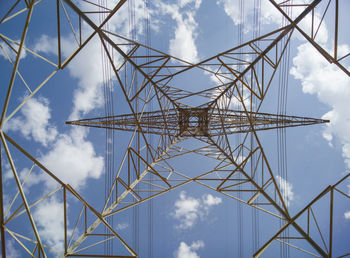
[(331, 222), (3, 248), (15, 67), (267, 49)]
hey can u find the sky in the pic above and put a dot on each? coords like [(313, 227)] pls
[(190, 221)]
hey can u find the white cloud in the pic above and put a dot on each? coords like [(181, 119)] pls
[(87, 66), (229, 100), (183, 13), (187, 209), (224, 100), (286, 190), (46, 44), (347, 215), (31, 180), (8, 174), (183, 3), (120, 23), (188, 251), (121, 226), (268, 15), (49, 218), (208, 200), (11, 250), (306, 25), (73, 159), (6, 201), (332, 87), (6, 52), (34, 121)]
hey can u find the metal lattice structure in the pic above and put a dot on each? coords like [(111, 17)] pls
[(210, 117)]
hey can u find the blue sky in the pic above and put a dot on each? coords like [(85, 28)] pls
[(190, 221)]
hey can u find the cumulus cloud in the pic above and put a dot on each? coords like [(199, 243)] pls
[(231, 99), (121, 226), (183, 13), (268, 15), (73, 160), (29, 179), (188, 251), (49, 218), (33, 121), (208, 200), (46, 44), (87, 66), (77, 159), (286, 190), (187, 209), (347, 215), (306, 25), (7, 52), (11, 250), (120, 22), (71, 157), (7, 174), (332, 87), (6, 203)]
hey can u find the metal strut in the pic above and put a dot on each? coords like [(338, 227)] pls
[(197, 122)]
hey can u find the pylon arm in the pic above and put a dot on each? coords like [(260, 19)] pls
[(197, 121)]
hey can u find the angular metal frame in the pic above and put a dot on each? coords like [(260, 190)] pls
[(172, 125)]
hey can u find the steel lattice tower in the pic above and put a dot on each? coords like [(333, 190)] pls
[(210, 117)]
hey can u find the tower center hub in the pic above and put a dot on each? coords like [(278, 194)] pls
[(193, 121)]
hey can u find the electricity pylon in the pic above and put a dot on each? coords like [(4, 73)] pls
[(196, 122), (210, 116)]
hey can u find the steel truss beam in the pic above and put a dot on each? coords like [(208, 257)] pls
[(137, 121), (331, 56), (66, 188), (210, 123), (331, 189), (197, 122), (285, 32)]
